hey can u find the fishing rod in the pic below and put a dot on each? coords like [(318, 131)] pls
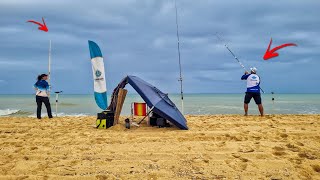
[(49, 66), (235, 56), (178, 38)]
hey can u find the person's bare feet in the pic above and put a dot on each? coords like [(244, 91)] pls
[(246, 114)]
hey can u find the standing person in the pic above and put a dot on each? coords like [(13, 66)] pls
[(42, 92), (253, 90)]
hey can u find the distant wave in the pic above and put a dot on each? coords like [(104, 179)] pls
[(67, 104), (62, 115)]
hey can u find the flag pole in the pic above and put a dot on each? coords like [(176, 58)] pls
[(180, 78)]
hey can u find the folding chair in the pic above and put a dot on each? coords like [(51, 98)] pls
[(139, 109)]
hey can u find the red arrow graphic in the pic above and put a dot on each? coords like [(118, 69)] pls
[(42, 27), (271, 53)]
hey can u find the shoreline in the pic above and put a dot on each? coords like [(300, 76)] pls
[(186, 115)]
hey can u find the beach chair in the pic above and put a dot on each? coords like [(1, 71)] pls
[(139, 109)]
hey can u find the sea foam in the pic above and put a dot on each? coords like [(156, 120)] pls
[(6, 112)]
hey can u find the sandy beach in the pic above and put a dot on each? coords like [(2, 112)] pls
[(215, 147)]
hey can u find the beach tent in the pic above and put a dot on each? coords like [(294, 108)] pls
[(155, 99)]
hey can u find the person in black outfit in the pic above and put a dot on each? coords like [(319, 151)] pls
[(42, 93)]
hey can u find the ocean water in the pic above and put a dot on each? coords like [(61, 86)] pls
[(200, 104)]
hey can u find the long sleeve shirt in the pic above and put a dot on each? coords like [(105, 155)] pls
[(42, 88), (253, 82)]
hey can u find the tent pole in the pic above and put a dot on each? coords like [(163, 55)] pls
[(180, 78)]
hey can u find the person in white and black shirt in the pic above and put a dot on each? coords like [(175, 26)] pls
[(253, 90)]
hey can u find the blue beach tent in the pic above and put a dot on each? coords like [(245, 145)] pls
[(155, 99)]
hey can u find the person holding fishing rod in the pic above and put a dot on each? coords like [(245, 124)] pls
[(253, 90), (42, 92), (253, 84)]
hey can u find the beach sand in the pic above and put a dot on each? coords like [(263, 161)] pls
[(215, 147)]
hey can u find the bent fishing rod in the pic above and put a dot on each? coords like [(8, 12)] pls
[(225, 45)]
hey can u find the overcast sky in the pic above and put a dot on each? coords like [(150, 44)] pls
[(138, 37)]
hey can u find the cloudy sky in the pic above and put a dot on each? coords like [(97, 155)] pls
[(138, 37)]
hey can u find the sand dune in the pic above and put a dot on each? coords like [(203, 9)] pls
[(215, 147)]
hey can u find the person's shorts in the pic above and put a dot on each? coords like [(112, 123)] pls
[(250, 95)]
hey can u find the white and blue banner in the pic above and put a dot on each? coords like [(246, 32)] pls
[(99, 78)]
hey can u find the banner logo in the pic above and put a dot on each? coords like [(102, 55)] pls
[(98, 73)]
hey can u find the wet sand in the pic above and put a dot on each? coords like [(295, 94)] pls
[(215, 147)]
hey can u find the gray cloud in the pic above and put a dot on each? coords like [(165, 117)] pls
[(139, 37)]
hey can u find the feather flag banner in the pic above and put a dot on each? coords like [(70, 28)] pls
[(99, 79)]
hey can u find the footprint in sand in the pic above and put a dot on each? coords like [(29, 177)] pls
[(283, 135), (316, 168), (307, 155), (103, 177), (293, 147), (296, 160), (246, 149), (237, 162), (299, 143), (33, 148), (219, 138), (221, 144), (278, 151)]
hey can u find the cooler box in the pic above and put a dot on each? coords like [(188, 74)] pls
[(105, 119)]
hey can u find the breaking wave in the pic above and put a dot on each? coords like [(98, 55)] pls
[(7, 112)]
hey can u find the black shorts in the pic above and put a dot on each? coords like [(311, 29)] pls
[(255, 96)]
